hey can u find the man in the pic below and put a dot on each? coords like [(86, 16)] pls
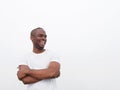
[(39, 68)]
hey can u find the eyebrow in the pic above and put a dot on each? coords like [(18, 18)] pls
[(43, 35)]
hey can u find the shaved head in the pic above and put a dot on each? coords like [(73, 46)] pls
[(33, 32)]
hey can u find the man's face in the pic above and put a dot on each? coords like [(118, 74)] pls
[(39, 39)]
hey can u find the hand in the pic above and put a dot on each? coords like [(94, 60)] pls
[(20, 75), (24, 69)]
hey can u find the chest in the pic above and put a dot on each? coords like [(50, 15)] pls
[(38, 61)]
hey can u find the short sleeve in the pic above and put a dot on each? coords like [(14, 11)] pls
[(22, 60), (55, 57)]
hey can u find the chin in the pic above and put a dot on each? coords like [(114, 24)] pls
[(41, 48)]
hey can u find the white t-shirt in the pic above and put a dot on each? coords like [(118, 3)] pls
[(40, 61)]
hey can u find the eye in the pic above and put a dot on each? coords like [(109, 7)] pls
[(45, 36), (42, 35)]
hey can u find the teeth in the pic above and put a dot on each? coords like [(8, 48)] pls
[(42, 42)]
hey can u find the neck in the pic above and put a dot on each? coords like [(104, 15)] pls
[(35, 50)]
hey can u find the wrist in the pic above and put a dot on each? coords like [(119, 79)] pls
[(28, 72)]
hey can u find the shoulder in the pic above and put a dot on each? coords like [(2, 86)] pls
[(54, 55), (51, 52), (24, 57)]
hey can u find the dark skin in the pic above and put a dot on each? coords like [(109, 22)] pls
[(27, 75)]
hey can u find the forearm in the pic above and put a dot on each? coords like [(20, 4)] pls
[(22, 76), (52, 71), (44, 73), (29, 80)]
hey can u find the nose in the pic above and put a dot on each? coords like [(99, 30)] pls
[(43, 37)]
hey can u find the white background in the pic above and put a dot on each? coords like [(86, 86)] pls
[(85, 33)]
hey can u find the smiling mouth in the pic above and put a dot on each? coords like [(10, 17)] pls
[(42, 43)]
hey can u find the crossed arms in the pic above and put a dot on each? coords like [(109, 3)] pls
[(28, 76)]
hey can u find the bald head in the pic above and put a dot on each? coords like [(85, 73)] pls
[(33, 32)]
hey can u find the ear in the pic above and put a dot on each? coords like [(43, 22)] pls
[(31, 37)]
